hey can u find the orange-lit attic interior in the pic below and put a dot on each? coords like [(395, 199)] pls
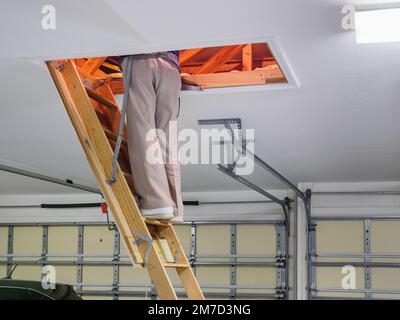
[(211, 67)]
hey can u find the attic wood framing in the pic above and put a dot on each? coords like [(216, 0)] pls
[(229, 79), (247, 57), (92, 65), (232, 65), (220, 57), (188, 54), (227, 66), (117, 86)]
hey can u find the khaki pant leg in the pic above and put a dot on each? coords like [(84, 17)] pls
[(167, 97), (150, 180)]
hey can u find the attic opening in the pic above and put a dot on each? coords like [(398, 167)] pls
[(214, 67)]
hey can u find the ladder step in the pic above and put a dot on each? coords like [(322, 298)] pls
[(176, 265), (157, 222), (100, 99)]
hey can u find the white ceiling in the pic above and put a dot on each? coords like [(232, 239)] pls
[(12, 183), (341, 124)]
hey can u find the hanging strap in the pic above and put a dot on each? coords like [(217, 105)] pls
[(127, 81)]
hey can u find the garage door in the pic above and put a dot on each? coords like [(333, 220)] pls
[(356, 258), (230, 259)]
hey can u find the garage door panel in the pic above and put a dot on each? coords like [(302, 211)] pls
[(214, 276), (3, 250), (173, 276), (385, 237), (253, 277), (256, 239), (183, 234), (340, 236), (23, 272), (62, 240), (28, 240), (98, 240), (386, 279), (3, 240), (3, 271), (136, 275), (213, 239), (97, 275), (65, 274), (331, 277)]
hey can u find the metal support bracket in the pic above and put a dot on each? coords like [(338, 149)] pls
[(233, 265), (367, 258), (213, 122), (307, 204), (10, 251), (193, 239), (229, 170), (281, 262), (227, 123), (311, 251), (45, 245), (79, 269), (311, 244), (116, 260), (143, 238), (286, 210)]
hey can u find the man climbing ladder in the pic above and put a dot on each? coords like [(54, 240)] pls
[(152, 103), (95, 116)]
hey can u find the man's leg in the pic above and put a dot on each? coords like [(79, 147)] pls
[(167, 105), (150, 180)]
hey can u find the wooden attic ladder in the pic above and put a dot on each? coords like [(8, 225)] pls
[(89, 101)]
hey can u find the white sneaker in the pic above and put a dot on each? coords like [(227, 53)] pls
[(177, 220), (165, 213)]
